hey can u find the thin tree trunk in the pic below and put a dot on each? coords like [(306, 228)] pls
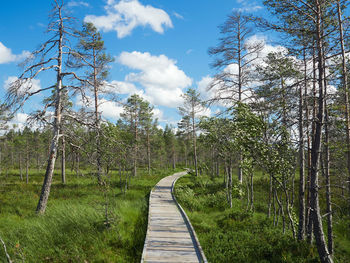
[(120, 175), (37, 159), (240, 82), (77, 164), (135, 148), (27, 163), (73, 159), (129, 183), (248, 194), (148, 153), (346, 91), (27, 169), (240, 170), (274, 203), (307, 204), (45, 190), (301, 227), (270, 197), (281, 211), (217, 166), (288, 208), (174, 157), (328, 189), (194, 142), (327, 175), (20, 167), (323, 252), (135, 167), (212, 163), (251, 191), (97, 120), (63, 161), (11, 154), (230, 183), (126, 180), (309, 230), (186, 162)]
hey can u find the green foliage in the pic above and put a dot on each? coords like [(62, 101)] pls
[(235, 235), (91, 54), (73, 228), (3, 117)]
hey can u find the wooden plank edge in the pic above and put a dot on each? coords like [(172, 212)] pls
[(201, 255)]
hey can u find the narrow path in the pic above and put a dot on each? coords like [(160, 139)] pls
[(170, 236)]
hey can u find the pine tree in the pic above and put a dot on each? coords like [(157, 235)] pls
[(192, 106), (91, 56), (137, 112)]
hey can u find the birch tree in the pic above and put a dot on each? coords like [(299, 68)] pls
[(315, 13)]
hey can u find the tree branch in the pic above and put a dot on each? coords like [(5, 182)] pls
[(7, 255)]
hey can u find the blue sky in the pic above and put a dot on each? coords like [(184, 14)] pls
[(160, 46)]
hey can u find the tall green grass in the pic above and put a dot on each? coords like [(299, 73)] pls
[(73, 229), (233, 234)]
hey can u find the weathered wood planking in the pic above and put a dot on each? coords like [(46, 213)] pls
[(170, 237)]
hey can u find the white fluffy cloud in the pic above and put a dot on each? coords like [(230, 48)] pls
[(124, 16), (158, 114), (19, 121), (177, 15), (162, 79), (6, 55), (78, 3), (205, 112), (121, 87), (164, 97), (27, 86), (110, 109), (248, 6), (266, 48), (203, 85)]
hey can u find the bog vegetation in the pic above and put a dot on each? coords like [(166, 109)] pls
[(271, 171)]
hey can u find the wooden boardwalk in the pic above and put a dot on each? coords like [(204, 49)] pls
[(170, 236)]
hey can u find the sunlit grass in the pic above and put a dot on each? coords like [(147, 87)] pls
[(234, 234), (73, 229)]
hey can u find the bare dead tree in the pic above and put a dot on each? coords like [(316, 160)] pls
[(49, 56)]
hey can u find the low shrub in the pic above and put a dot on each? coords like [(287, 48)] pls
[(234, 234)]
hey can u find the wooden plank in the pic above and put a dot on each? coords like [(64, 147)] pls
[(168, 237)]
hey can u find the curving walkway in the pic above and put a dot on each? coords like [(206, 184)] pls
[(170, 236)]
